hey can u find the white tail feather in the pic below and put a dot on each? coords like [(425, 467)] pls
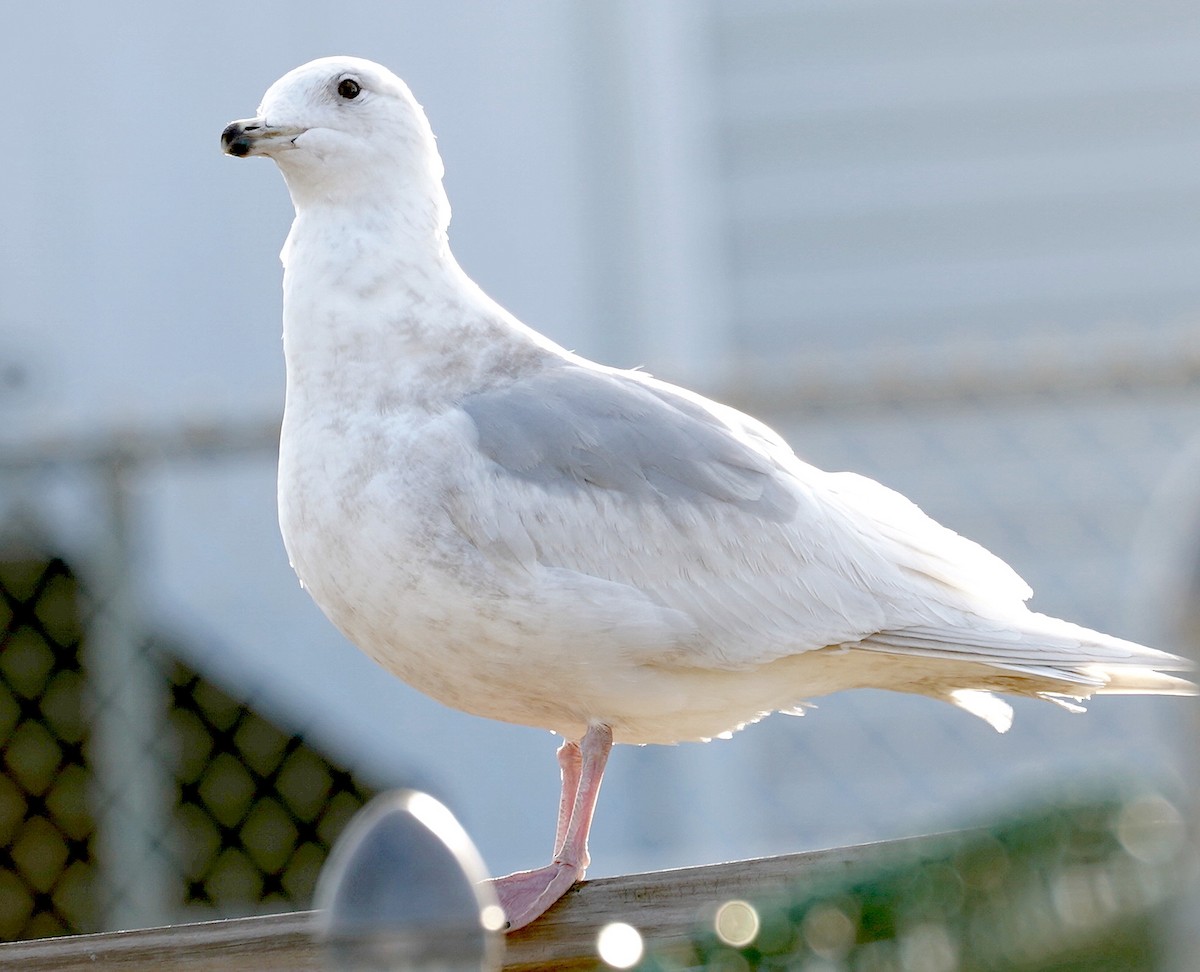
[(1033, 655)]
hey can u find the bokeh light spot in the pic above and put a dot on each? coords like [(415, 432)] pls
[(928, 948), (493, 917), (620, 945), (737, 923), (1084, 895), (828, 931), (1151, 829)]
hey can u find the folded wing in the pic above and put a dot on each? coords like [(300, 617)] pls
[(617, 476)]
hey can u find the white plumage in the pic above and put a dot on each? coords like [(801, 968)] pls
[(533, 537)]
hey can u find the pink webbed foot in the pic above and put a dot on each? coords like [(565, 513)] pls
[(526, 895)]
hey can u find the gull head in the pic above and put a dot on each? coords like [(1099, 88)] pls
[(341, 129)]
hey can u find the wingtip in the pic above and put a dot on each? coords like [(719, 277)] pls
[(1140, 680)]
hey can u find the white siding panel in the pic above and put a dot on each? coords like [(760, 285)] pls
[(914, 170)]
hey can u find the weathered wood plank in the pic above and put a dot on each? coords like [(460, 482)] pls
[(664, 905), (268, 944)]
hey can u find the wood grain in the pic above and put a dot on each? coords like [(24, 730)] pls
[(665, 906)]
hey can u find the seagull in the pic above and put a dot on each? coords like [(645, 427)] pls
[(530, 536)]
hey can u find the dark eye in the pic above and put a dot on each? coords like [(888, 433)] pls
[(348, 88)]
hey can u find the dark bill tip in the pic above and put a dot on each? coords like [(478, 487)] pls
[(238, 138)]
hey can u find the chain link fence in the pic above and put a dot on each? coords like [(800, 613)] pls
[(257, 809), (46, 828), (246, 815)]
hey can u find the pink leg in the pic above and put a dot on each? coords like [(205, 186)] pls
[(569, 761), (594, 749), (526, 895)]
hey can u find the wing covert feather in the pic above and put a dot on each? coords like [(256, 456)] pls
[(614, 475)]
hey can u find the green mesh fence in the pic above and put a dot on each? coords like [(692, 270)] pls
[(1082, 887)]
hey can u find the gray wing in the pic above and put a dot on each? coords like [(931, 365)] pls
[(613, 475), (573, 427), (609, 478)]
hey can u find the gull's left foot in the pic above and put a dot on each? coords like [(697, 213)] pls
[(527, 895)]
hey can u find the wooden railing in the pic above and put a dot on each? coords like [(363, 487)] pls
[(1090, 887), (665, 906)]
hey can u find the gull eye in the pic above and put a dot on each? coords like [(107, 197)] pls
[(348, 88)]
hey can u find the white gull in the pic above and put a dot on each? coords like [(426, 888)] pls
[(533, 537)]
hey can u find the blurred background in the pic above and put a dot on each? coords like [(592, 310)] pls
[(950, 245)]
